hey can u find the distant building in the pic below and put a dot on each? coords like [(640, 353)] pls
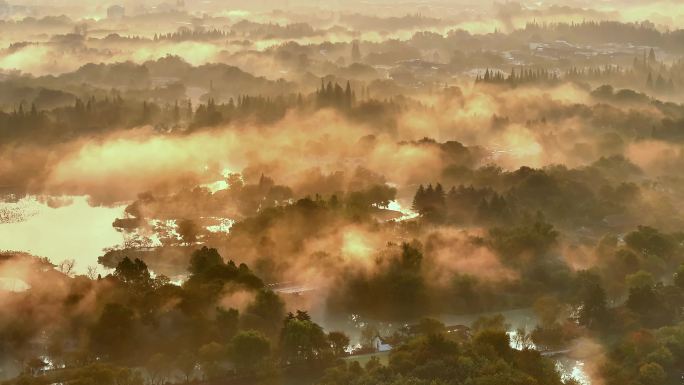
[(116, 12), (380, 345)]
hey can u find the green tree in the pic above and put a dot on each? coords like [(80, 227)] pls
[(650, 241), (338, 343), (204, 260), (495, 339), (593, 307), (227, 322), (302, 340), (639, 279), (188, 231), (652, 374), (429, 326), (210, 357), (114, 334), (248, 349), (133, 272), (265, 313)]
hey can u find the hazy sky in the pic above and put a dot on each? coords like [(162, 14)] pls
[(665, 13)]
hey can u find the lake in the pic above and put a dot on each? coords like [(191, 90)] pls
[(71, 229)]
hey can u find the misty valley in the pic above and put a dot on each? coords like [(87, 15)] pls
[(341, 192)]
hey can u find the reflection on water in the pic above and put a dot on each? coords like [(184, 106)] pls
[(569, 368), (406, 213), (572, 369), (74, 230)]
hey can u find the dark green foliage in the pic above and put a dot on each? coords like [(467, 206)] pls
[(435, 359), (114, 335), (303, 341), (249, 349), (338, 343), (398, 291), (654, 305), (519, 76), (531, 241), (335, 96), (651, 242), (207, 266), (430, 202), (265, 313), (133, 272), (592, 301)]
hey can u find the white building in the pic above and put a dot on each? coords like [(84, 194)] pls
[(380, 345)]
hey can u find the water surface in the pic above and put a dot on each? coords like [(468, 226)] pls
[(74, 230)]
